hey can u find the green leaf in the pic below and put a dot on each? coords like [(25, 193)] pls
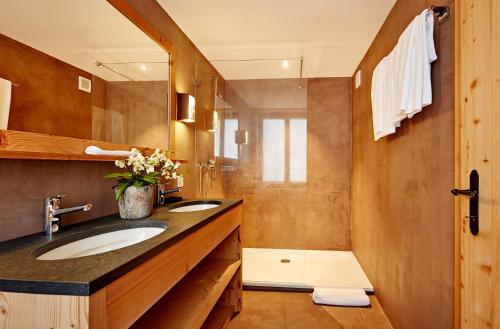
[(113, 175), (119, 189), (127, 181), (152, 174), (118, 175), (138, 183), (150, 179)]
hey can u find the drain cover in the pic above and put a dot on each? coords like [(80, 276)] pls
[(285, 260)]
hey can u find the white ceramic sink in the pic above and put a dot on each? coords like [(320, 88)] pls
[(195, 207), (101, 243)]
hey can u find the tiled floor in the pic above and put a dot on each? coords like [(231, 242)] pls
[(290, 310)]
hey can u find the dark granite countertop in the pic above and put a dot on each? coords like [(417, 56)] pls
[(20, 271)]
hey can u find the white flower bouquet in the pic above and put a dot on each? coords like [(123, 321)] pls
[(142, 171)]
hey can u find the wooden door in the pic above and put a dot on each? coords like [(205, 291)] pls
[(478, 147)]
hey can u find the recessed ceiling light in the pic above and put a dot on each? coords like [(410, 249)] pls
[(143, 67), (285, 64)]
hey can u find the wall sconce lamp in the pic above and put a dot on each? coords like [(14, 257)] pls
[(241, 136), (185, 108)]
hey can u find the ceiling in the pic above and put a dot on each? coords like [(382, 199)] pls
[(83, 32), (331, 35)]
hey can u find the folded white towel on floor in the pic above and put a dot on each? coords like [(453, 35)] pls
[(5, 96), (341, 297)]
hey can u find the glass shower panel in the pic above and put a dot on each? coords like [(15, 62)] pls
[(268, 168)]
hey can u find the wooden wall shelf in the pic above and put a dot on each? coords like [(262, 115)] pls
[(33, 146)]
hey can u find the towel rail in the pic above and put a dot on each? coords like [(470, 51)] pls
[(442, 12)]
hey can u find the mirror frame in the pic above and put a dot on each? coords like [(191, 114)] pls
[(26, 145)]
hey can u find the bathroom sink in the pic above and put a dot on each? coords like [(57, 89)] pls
[(98, 244), (195, 206)]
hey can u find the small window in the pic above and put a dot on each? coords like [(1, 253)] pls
[(217, 139), (284, 150), (298, 150), (273, 155), (230, 147)]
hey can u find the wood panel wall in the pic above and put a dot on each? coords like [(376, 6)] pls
[(478, 88), (402, 210), (25, 183)]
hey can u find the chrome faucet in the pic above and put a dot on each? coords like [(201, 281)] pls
[(162, 193), (207, 171), (52, 210)]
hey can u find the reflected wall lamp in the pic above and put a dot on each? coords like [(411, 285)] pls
[(215, 121)]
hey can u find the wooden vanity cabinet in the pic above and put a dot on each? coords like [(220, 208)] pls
[(194, 283)]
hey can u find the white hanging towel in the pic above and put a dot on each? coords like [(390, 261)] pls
[(401, 82), (5, 98), (387, 82), (402, 58), (417, 84), (428, 50), (381, 95), (341, 297)]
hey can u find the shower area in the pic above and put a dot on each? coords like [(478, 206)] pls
[(284, 146)]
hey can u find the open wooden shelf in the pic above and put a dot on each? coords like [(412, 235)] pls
[(190, 302), (219, 318), (33, 146)]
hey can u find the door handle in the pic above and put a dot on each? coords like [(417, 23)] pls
[(467, 193), (473, 194)]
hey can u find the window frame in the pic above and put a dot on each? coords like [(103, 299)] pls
[(286, 115)]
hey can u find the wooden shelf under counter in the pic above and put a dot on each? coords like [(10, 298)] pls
[(190, 302), (219, 318)]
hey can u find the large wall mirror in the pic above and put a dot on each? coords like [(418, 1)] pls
[(81, 69)]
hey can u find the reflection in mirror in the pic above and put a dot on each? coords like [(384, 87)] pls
[(220, 109), (130, 103), (81, 69)]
